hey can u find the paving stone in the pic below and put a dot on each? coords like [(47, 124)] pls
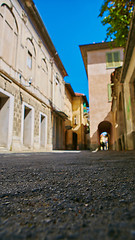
[(67, 195)]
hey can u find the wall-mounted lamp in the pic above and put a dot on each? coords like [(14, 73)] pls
[(30, 81)]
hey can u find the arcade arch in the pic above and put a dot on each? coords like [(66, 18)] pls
[(9, 32), (105, 135)]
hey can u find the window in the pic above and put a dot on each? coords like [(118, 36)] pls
[(75, 120), (27, 131), (6, 118), (109, 92), (44, 65), (57, 79), (42, 129), (113, 59), (29, 60)]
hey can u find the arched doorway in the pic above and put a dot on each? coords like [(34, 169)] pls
[(74, 141), (105, 135)]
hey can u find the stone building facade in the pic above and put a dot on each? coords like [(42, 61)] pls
[(123, 95), (118, 112), (69, 95), (100, 60), (77, 123), (128, 81), (80, 122), (32, 83)]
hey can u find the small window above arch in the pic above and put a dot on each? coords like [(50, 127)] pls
[(57, 79), (44, 65), (30, 46), (29, 60)]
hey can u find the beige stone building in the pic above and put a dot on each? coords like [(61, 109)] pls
[(69, 95), (128, 81), (80, 122), (123, 93), (77, 123), (100, 60), (32, 84), (118, 112)]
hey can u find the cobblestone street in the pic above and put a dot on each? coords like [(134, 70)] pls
[(67, 195)]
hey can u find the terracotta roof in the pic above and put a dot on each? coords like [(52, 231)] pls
[(94, 47), (79, 94), (84, 98)]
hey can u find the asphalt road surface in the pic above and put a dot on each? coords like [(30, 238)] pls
[(67, 195)]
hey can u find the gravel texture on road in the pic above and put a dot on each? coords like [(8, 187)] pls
[(67, 195)]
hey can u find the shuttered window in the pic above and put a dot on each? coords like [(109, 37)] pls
[(109, 92), (113, 59)]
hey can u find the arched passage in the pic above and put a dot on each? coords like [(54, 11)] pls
[(105, 128)]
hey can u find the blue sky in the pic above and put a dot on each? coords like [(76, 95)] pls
[(71, 23)]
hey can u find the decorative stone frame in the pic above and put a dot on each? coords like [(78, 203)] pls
[(45, 116), (32, 125), (10, 114)]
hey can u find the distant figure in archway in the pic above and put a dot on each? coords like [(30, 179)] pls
[(105, 135), (104, 141)]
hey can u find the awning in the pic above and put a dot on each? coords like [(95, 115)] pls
[(61, 114), (68, 127)]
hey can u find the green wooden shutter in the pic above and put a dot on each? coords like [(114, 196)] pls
[(109, 92), (113, 59), (109, 60), (84, 108), (116, 59)]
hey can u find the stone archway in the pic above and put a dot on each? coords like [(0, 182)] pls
[(105, 126)]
